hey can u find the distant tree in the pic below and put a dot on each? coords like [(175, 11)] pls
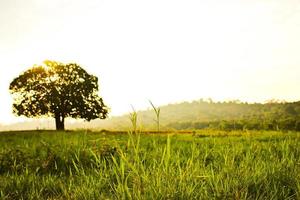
[(57, 90), (290, 109)]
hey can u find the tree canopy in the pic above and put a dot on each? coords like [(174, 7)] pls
[(57, 90)]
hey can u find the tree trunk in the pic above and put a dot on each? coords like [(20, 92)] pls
[(59, 122)]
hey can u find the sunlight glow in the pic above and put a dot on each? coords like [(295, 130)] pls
[(165, 51)]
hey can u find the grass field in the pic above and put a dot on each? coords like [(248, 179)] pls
[(103, 165)]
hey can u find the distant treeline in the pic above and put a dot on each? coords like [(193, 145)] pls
[(243, 124), (239, 116), (231, 115)]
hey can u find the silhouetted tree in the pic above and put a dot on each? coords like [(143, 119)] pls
[(57, 90)]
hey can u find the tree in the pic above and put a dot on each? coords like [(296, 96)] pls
[(57, 90)]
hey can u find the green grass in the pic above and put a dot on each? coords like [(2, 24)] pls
[(202, 165)]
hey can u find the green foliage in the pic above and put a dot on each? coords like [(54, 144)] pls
[(206, 165), (221, 115), (57, 90)]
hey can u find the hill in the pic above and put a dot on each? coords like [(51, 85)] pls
[(200, 114)]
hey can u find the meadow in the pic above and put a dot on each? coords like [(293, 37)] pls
[(109, 165)]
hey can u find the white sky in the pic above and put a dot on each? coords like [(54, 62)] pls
[(162, 50)]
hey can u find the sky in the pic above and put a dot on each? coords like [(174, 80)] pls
[(166, 51)]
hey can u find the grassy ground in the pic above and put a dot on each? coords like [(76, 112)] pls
[(204, 165)]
